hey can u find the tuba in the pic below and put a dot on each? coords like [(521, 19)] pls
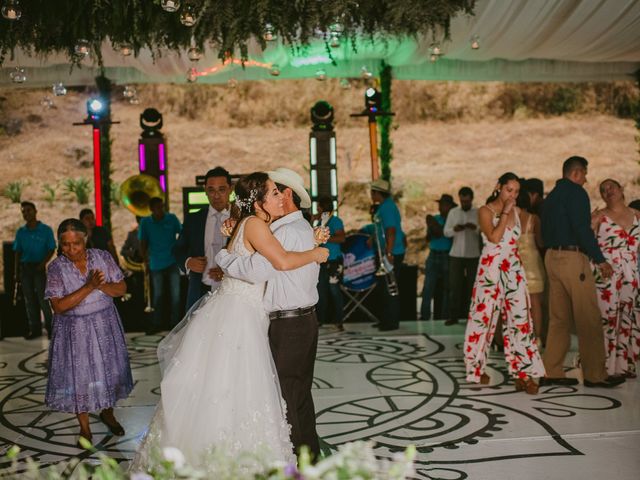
[(135, 194)]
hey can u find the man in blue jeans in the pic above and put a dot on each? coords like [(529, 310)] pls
[(158, 234), (33, 247), (437, 264)]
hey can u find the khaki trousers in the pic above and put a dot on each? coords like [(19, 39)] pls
[(573, 302)]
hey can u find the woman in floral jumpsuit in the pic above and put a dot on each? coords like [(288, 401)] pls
[(618, 230), (500, 292)]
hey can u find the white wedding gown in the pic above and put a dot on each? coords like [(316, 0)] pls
[(219, 388)]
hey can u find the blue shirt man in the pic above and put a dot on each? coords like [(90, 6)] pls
[(160, 235), (389, 216), (33, 247), (334, 225)]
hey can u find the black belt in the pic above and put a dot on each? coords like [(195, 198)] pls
[(567, 248), (439, 252), (296, 312)]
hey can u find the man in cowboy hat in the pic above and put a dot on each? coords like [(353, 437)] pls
[(290, 298), (392, 244)]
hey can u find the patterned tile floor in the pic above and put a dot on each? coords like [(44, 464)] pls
[(399, 389)]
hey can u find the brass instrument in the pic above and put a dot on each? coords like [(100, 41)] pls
[(135, 194), (137, 191), (386, 267), (16, 292)]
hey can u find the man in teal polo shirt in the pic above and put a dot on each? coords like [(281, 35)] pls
[(33, 246), (158, 234), (392, 243)]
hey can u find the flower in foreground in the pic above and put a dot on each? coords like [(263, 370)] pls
[(175, 456)]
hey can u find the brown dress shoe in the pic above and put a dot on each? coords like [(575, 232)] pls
[(526, 385)]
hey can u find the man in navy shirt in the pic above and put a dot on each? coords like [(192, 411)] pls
[(158, 234), (570, 242), (33, 246)]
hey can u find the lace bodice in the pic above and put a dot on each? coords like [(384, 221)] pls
[(254, 291)]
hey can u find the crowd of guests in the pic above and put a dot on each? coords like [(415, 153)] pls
[(521, 258), (501, 266)]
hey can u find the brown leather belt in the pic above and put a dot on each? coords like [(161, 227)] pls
[(296, 312), (567, 248)]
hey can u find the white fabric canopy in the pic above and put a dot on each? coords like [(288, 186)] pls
[(520, 40)]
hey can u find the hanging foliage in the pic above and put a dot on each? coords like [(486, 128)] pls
[(228, 25), (384, 122)]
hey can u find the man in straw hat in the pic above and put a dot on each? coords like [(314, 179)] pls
[(392, 244), (290, 298)]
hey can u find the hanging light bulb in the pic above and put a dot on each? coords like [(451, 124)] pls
[(435, 49), (335, 40), (194, 54), (188, 15), (274, 71), (134, 100), (59, 90), (46, 102), (475, 42), (321, 75), (126, 49), (433, 58), (170, 5), (11, 10), (232, 83), (319, 33), (345, 84), (81, 48), (269, 33), (336, 27), (365, 73), (192, 75), (129, 92), (18, 75)]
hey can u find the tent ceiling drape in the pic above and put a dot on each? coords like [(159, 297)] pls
[(520, 40)]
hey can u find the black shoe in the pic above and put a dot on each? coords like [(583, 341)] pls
[(388, 328), (451, 321), (563, 381), (608, 382), (114, 428)]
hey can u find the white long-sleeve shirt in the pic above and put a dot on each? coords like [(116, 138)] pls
[(285, 290), (466, 243)]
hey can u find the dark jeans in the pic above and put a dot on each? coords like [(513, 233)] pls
[(436, 268), (462, 275), (391, 307), (329, 293), (165, 282), (293, 343), (33, 285)]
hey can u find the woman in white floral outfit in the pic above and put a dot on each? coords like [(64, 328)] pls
[(617, 228), (500, 292)]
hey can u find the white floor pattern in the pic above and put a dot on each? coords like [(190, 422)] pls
[(400, 389)]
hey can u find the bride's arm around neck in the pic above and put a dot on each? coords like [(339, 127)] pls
[(258, 237)]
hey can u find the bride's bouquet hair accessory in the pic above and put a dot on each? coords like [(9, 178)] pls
[(246, 203)]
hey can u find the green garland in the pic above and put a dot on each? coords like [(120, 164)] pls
[(384, 123), (56, 26)]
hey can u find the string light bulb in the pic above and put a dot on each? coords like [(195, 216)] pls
[(11, 10), (170, 5)]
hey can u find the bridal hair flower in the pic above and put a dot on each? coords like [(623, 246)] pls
[(247, 203)]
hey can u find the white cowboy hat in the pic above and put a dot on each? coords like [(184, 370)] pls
[(292, 180)]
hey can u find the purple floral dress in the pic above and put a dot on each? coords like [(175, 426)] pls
[(88, 360)]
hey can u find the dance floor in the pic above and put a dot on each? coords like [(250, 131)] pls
[(394, 389)]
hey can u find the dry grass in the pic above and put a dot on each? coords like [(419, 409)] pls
[(430, 157)]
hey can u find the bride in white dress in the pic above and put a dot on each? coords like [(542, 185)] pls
[(219, 383)]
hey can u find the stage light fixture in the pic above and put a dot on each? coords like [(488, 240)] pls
[(95, 109), (372, 100), (322, 116)]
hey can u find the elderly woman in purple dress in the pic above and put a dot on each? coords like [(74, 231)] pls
[(88, 361)]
